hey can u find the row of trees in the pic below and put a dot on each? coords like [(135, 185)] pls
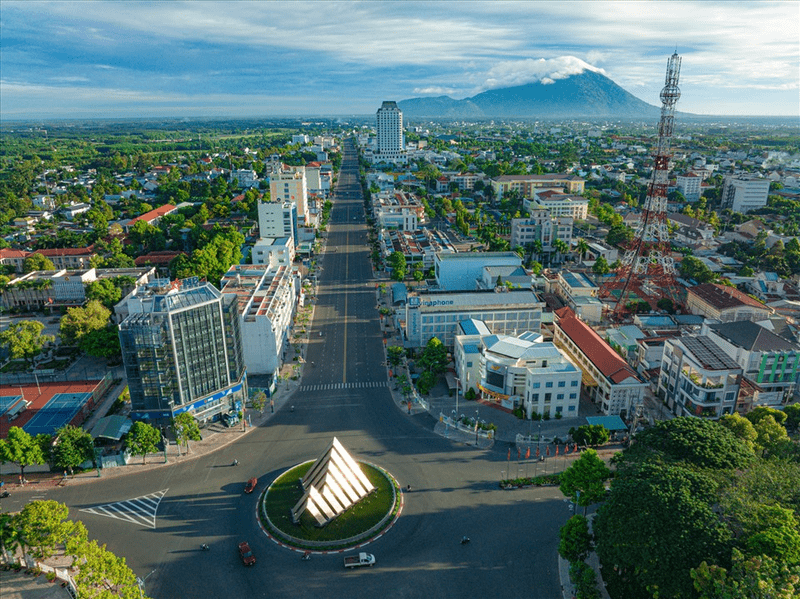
[(71, 446), (42, 529)]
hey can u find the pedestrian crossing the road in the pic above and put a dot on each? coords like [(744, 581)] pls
[(332, 386), (140, 510)]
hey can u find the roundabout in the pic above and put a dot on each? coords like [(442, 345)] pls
[(364, 521)]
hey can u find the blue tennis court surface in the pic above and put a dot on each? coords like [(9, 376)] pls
[(8, 401), (56, 413)]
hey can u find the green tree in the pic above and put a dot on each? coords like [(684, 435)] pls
[(258, 401), (73, 447), (434, 357), (676, 506), (692, 268), (773, 531), (37, 262), (102, 343), (755, 577), (25, 340), (575, 539), (756, 415), (397, 262), (792, 421), (104, 291), (600, 266), (619, 234), (186, 429), (771, 435), (741, 427), (103, 575), (78, 322), (590, 434), (704, 443), (21, 449), (584, 481), (142, 439), (582, 247), (44, 525), (395, 355)]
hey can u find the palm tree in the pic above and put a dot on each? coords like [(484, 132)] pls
[(561, 247), (582, 247)]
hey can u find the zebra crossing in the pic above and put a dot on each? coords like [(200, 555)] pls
[(332, 386), (140, 510)]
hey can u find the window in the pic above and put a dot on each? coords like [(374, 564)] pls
[(549, 384), (562, 383), (560, 397), (535, 397), (547, 397), (469, 364), (573, 396), (573, 383), (536, 385)]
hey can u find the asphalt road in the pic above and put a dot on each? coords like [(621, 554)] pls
[(453, 487)]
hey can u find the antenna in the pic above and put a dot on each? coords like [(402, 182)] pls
[(648, 271)]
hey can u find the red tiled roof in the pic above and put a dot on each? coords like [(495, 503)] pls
[(238, 198), (722, 296), (11, 253), (596, 350), (87, 251), (163, 257), (153, 214)]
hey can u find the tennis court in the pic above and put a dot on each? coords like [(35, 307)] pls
[(57, 412), (7, 402)]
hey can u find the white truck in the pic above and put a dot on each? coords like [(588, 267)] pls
[(356, 561)]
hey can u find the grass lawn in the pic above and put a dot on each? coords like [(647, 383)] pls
[(285, 493)]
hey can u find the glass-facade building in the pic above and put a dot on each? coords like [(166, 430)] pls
[(182, 349)]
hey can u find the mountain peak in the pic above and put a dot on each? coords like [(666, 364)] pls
[(586, 92)]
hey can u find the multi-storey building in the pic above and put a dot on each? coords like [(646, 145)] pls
[(608, 379), (267, 302), (429, 315), (689, 185), (698, 378), (289, 185), (723, 303), (559, 204), (526, 185), (743, 193), (418, 247), (517, 371), (245, 177), (398, 210), (390, 142), (273, 251), (541, 226), (769, 362), (462, 272), (278, 219), (182, 349)]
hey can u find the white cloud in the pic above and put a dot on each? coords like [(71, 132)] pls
[(519, 72), (434, 91)]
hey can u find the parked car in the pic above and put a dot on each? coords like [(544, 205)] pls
[(362, 559), (248, 559), (251, 485)]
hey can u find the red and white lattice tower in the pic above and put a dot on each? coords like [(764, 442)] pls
[(648, 270)]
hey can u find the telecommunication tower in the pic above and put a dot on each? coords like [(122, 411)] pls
[(647, 271)]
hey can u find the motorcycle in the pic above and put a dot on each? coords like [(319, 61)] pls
[(306, 556), (464, 540), (205, 547), (4, 494), (235, 463)]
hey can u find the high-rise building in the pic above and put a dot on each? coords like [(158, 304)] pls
[(390, 142), (182, 348), (743, 193), (277, 219)]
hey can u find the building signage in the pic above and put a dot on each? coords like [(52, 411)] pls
[(439, 303)]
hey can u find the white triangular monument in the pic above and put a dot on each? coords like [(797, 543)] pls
[(333, 484)]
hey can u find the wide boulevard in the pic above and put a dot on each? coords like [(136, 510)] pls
[(454, 489)]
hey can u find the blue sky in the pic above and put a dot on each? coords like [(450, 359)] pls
[(167, 59)]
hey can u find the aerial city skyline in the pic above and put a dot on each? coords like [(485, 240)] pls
[(248, 59)]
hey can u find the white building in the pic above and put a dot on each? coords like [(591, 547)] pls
[(743, 193), (698, 378), (580, 294), (610, 382), (429, 315), (390, 142), (462, 272), (274, 251), (277, 219), (689, 186), (541, 226), (245, 177), (319, 177), (559, 204), (290, 186), (267, 299)]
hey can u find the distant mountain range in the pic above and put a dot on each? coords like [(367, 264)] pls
[(588, 94)]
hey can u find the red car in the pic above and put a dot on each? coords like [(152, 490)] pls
[(251, 485), (248, 559)]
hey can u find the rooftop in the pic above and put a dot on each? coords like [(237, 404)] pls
[(752, 337), (722, 297), (709, 354)]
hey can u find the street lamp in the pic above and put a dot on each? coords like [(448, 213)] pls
[(140, 582), (477, 420)]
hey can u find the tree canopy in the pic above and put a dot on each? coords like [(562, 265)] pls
[(25, 339), (79, 322), (142, 439)]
